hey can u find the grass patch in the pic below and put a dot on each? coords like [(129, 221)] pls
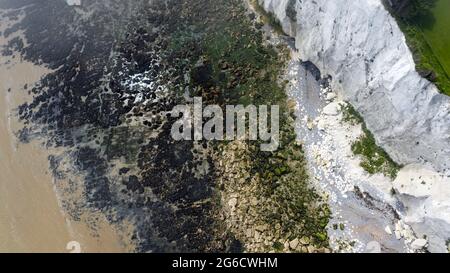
[(374, 158), (428, 64), (438, 36), (350, 115), (430, 44)]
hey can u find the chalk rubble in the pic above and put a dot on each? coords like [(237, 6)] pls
[(359, 44)]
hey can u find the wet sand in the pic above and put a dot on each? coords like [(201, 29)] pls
[(31, 219)]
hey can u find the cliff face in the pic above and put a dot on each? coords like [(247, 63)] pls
[(360, 45)]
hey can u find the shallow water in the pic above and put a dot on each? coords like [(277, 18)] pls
[(31, 219)]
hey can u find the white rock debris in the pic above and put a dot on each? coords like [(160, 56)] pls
[(419, 244), (425, 195), (73, 2), (332, 109), (331, 96), (139, 87), (388, 230)]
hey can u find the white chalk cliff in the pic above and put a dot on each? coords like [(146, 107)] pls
[(359, 44)]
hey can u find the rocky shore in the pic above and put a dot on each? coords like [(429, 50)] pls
[(119, 69)]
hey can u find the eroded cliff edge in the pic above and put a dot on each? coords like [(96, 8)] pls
[(360, 45)]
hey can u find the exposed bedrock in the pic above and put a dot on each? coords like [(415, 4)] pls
[(361, 46)]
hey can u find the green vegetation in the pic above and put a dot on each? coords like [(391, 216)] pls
[(374, 158), (230, 64), (427, 63), (350, 115), (284, 179), (268, 18), (426, 25), (277, 246), (411, 9), (438, 37)]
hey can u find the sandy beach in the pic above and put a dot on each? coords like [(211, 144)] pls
[(31, 218)]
